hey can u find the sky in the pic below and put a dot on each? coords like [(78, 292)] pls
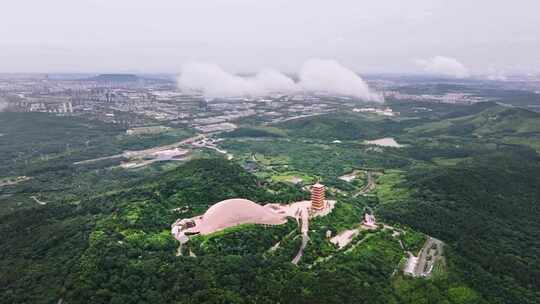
[(453, 37)]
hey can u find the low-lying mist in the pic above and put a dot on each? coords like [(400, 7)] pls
[(3, 104), (315, 75)]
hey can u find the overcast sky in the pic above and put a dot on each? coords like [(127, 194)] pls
[(246, 35)]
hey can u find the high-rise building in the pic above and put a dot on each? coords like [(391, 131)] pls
[(317, 196)]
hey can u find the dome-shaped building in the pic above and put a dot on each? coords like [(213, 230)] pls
[(236, 211)]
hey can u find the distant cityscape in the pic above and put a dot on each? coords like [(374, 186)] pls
[(135, 101)]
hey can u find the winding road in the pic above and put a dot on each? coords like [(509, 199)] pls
[(304, 217), (38, 201)]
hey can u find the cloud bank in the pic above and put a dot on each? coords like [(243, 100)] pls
[(212, 80), (445, 66), (496, 75), (316, 75), (329, 76)]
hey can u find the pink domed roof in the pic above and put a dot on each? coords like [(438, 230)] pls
[(236, 211)]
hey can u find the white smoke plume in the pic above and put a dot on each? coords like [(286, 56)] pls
[(331, 77), (445, 66), (316, 75), (213, 81)]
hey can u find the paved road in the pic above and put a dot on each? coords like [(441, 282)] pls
[(142, 153), (305, 237)]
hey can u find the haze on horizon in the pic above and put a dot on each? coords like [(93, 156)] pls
[(453, 38)]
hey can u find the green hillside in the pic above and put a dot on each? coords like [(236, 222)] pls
[(487, 210), (469, 180), (30, 140), (341, 126), (117, 248), (58, 247), (494, 121)]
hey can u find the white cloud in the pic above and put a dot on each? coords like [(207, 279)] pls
[(445, 66), (330, 76), (496, 74), (213, 81), (316, 75), (269, 80)]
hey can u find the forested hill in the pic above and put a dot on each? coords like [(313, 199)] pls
[(341, 126), (117, 248), (472, 181), (487, 209), (102, 248), (493, 121)]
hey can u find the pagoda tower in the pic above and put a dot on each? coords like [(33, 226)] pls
[(317, 196)]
